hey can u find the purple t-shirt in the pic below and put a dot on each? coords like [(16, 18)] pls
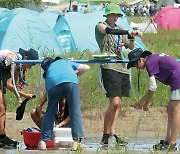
[(165, 69)]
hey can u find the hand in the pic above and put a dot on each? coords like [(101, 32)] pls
[(57, 125), (19, 100), (30, 96), (146, 106), (136, 33), (132, 34), (138, 105)]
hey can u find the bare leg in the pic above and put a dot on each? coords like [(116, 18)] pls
[(36, 118), (175, 120), (111, 115), (169, 123), (2, 113)]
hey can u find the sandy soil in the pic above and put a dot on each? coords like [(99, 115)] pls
[(131, 123)]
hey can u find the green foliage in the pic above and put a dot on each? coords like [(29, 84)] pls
[(11, 4), (92, 95)]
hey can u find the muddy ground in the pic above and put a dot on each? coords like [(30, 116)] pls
[(132, 123)]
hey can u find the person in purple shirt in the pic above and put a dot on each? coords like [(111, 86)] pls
[(165, 69)]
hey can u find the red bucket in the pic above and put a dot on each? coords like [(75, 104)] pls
[(31, 139)]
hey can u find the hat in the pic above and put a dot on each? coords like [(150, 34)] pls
[(136, 54), (113, 9), (31, 54)]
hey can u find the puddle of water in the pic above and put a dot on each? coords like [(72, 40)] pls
[(94, 146), (144, 146)]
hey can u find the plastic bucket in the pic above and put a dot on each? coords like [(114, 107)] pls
[(31, 139)]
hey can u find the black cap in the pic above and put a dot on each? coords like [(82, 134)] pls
[(31, 54), (135, 55)]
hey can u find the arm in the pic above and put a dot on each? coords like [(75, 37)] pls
[(82, 69), (42, 100), (40, 104), (12, 89), (64, 122), (107, 30), (145, 101)]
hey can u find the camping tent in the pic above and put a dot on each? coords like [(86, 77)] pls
[(50, 16), (81, 27), (168, 18), (64, 35), (22, 28), (161, 3), (3, 10)]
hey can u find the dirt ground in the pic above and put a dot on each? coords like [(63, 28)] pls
[(132, 123)]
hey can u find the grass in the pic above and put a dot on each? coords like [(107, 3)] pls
[(92, 95)]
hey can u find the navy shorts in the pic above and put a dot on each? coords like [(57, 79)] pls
[(115, 83)]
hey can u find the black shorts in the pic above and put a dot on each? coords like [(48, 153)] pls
[(115, 83)]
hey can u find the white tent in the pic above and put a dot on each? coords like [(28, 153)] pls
[(135, 2), (51, 1)]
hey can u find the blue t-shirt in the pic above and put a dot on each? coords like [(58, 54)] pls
[(165, 69), (61, 71)]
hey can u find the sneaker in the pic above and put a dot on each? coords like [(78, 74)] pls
[(120, 141), (77, 146), (160, 144), (6, 141), (104, 140), (164, 145), (42, 145)]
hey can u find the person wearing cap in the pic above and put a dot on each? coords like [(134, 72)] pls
[(37, 114), (165, 69), (111, 38), (61, 81), (6, 58)]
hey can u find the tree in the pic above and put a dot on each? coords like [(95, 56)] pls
[(10, 4)]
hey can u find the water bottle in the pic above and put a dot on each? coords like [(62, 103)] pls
[(112, 141)]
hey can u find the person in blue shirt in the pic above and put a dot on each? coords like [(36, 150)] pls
[(61, 81)]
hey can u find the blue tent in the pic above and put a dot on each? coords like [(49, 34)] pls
[(50, 16), (3, 10), (80, 30), (22, 28)]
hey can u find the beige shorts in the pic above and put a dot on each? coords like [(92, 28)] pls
[(175, 95)]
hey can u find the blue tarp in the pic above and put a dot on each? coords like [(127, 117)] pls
[(82, 28), (22, 28)]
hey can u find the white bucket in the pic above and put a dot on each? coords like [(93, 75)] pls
[(62, 137)]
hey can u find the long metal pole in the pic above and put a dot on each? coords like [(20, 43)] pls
[(78, 61)]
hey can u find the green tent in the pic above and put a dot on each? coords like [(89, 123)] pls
[(115, 1)]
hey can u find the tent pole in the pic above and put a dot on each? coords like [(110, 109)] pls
[(70, 5), (88, 6)]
